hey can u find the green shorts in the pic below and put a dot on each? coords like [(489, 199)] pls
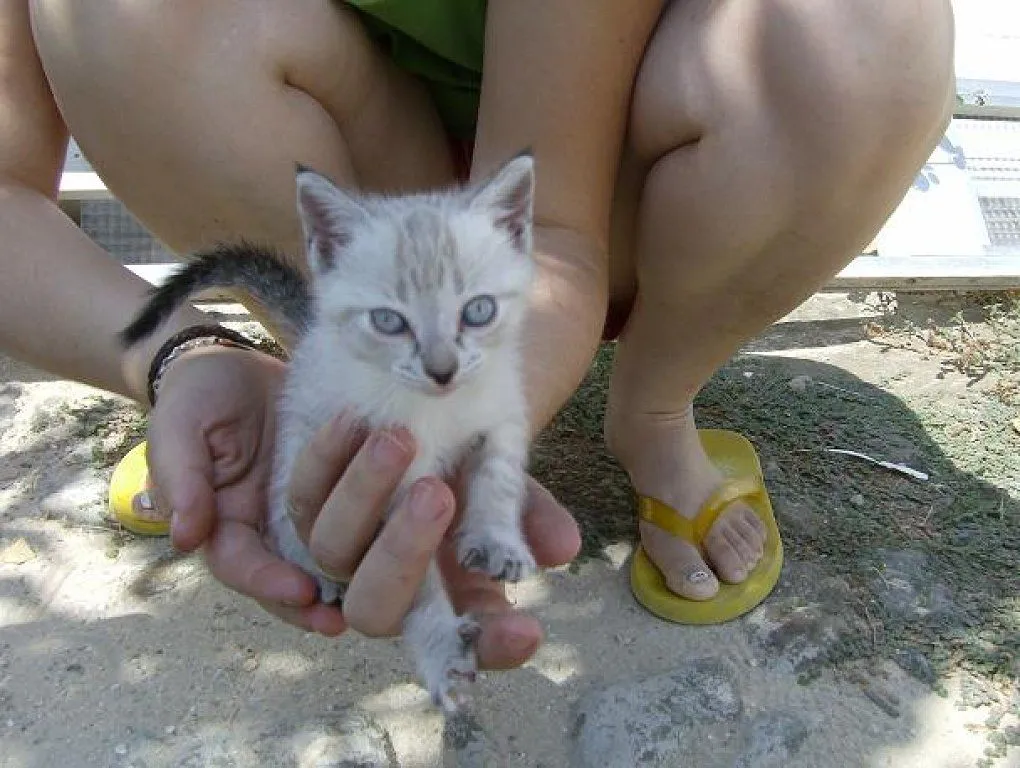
[(440, 42)]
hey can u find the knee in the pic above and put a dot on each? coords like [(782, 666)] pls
[(874, 76), (825, 79)]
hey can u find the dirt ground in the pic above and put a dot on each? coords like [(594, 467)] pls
[(892, 639)]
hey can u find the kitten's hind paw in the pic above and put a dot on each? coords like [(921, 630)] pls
[(448, 660), (502, 556)]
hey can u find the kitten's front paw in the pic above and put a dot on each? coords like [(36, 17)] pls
[(447, 658), (503, 555)]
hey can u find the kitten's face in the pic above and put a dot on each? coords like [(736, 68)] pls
[(424, 289)]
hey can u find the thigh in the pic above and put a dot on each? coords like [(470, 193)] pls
[(194, 112)]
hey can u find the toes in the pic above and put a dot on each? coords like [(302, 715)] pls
[(725, 556), (469, 632), (735, 544), (752, 530), (475, 560), (686, 573), (502, 557)]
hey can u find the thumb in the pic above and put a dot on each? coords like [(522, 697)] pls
[(181, 468)]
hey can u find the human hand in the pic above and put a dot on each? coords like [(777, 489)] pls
[(211, 437), (341, 491), (210, 444)]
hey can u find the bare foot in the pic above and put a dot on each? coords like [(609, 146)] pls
[(664, 458), (145, 505)]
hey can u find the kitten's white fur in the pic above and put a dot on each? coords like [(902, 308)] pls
[(424, 256)]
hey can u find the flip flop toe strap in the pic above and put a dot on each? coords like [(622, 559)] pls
[(694, 530)]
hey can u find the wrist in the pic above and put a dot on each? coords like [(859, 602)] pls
[(139, 361), (194, 337)]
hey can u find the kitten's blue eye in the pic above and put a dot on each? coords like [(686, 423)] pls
[(388, 322), (481, 310)]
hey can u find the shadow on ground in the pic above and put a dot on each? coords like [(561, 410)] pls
[(959, 529)]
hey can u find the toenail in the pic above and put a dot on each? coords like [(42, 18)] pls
[(698, 576)]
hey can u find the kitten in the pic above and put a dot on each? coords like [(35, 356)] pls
[(412, 316)]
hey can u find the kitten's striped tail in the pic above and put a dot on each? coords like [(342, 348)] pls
[(280, 289)]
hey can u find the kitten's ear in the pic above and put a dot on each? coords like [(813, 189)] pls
[(508, 196), (329, 215)]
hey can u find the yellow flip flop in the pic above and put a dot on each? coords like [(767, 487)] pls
[(736, 458), (127, 481)]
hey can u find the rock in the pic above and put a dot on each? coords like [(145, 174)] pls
[(772, 739), (802, 621), (906, 585), (916, 664), (663, 720), (467, 745), (857, 500)]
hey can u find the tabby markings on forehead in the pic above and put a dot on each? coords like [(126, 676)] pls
[(427, 254)]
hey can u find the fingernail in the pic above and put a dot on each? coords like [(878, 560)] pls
[(145, 501), (387, 450), (426, 503)]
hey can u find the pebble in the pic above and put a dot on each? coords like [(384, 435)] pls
[(799, 383), (120, 749)]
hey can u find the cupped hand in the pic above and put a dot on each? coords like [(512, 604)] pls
[(342, 487), (211, 437), (210, 442)]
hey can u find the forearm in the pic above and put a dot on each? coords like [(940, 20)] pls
[(558, 78), (63, 299), (565, 320)]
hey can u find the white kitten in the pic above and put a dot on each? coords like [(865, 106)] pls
[(413, 318)]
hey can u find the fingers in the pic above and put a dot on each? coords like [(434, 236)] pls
[(324, 619), (181, 468), (550, 530), (351, 516), (392, 570), (319, 466), (508, 638), (238, 557)]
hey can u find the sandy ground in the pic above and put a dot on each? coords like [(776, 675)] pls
[(114, 651)]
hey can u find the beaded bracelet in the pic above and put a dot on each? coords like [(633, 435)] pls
[(190, 338)]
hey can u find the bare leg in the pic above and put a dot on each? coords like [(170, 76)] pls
[(195, 113), (769, 142)]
